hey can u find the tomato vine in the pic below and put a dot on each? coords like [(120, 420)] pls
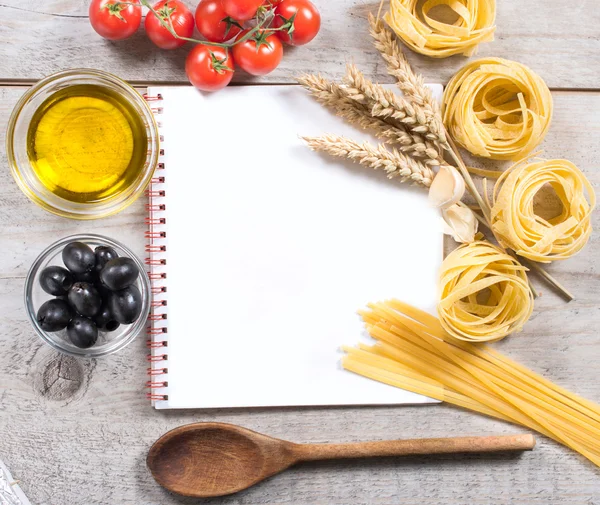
[(264, 17)]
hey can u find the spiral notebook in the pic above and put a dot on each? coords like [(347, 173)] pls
[(262, 251)]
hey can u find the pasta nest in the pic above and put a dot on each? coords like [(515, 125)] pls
[(485, 294), (515, 223), (416, 23), (497, 108)]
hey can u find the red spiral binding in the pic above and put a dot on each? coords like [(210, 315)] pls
[(150, 98), (151, 262), (153, 358), (155, 248), (157, 327), (155, 193), (155, 344), (155, 208), (156, 397), (157, 371), (155, 234), (156, 384), (157, 331)]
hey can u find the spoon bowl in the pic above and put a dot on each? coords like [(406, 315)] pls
[(216, 459)]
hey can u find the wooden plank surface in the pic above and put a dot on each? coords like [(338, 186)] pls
[(559, 40), (77, 432)]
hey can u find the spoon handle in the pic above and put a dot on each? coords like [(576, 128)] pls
[(314, 452)]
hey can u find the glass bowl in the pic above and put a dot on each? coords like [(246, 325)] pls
[(18, 157), (108, 342)]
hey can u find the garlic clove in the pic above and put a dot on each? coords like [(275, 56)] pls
[(460, 223), (447, 188)]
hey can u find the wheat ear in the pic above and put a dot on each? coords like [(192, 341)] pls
[(335, 97), (394, 163), (385, 103), (411, 84), (344, 101)]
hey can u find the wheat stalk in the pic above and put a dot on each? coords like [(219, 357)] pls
[(411, 84), (393, 162), (338, 98), (385, 103)]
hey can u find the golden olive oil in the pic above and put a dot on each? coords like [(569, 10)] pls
[(87, 143)]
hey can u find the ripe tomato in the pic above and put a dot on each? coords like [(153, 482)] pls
[(209, 68), (260, 54), (214, 23), (115, 21), (269, 3), (181, 17), (242, 10), (304, 17)]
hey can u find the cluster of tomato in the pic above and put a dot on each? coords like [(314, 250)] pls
[(256, 48)]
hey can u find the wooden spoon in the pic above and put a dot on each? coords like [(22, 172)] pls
[(216, 459)]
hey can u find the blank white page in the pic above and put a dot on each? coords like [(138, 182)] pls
[(272, 249)]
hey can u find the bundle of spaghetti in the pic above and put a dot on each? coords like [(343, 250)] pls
[(470, 22), (497, 108), (413, 352), (484, 293), (517, 226)]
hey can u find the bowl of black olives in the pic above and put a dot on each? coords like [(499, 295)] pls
[(87, 295)]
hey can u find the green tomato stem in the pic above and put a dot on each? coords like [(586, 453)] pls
[(171, 29)]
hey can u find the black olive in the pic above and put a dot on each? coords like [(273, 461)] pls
[(82, 332), (105, 321), (104, 254), (79, 257), (102, 289), (119, 273), (56, 280), (126, 304), (85, 299), (54, 315), (90, 277)]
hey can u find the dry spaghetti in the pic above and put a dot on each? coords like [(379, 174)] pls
[(497, 108), (419, 24), (515, 223), (484, 294), (413, 352)]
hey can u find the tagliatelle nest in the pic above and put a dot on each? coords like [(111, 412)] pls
[(427, 29), (515, 223), (497, 108), (484, 294)]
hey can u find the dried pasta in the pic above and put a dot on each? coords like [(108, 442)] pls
[(413, 352), (471, 22), (497, 108), (484, 293), (515, 223)]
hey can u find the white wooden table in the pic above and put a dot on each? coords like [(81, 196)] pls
[(77, 432)]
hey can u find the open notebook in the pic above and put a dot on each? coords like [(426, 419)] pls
[(262, 251)]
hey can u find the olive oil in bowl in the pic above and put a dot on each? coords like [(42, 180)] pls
[(87, 143)]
